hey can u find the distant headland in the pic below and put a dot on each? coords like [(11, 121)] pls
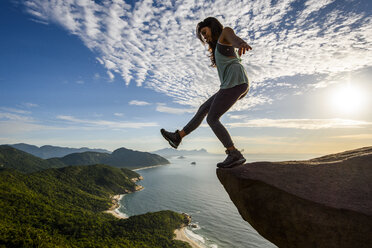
[(169, 152)]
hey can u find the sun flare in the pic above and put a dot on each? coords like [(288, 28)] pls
[(347, 99)]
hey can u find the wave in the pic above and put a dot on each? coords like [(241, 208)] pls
[(198, 238), (120, 206), (194, 236)]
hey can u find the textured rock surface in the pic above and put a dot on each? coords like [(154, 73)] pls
[(322, 202)]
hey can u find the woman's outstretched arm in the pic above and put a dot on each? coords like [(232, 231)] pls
[(229, 35)]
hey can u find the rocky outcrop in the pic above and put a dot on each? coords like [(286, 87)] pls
[(323, 202), (187, 219), (136, 179)]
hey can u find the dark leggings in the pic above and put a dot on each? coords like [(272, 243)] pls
[(215, 107)]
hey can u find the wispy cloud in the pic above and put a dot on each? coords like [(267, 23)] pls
[(20, 123), (111, 76), (15, 121), (153, 44), (266, 140), (105, 123), (96, 76), (138, 103), (236, 117), (30, 105), (14, 110), (301, 123), (14, 117), (363, 136), (161, 107), (119, 114), (8, 128)]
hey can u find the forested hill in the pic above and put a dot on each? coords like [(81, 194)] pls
[(83, 158), (13, 158), (121, 157), (63, 207)]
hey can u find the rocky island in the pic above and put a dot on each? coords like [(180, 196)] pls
[(322, 202)]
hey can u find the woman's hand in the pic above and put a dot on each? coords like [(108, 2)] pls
[(243, 46), (229, 36)]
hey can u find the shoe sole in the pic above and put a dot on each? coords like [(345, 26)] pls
[(236, 163), (169, 141)]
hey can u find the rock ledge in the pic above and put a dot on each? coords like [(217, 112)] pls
[(322, 202)]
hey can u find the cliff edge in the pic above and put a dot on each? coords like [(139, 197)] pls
[(322, 202)]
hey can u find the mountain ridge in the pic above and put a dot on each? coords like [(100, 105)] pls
[(121, 157), (49, 151)]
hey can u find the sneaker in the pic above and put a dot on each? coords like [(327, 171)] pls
[(174, 139), (234, 157)]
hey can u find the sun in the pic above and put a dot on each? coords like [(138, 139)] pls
[(347, 99)]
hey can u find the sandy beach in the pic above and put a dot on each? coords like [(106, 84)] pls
[(149, 167), (115, 206), (181, 235)]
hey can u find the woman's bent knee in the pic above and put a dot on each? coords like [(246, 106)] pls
[(211, 120)]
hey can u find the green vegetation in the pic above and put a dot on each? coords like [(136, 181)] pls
[(63, 207), (121, 157), (24, 162), (83, 158), (11, 157)]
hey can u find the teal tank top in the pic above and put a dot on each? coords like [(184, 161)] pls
[(230, 71)]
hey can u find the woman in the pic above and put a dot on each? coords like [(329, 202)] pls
[(234, 85)]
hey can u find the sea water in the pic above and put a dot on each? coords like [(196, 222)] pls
[(195, 190)]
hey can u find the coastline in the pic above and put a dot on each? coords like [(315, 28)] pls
[(114, 209), (115, 200), (181, 235), (149, 167)]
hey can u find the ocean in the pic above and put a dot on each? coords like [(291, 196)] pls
[(195, 190)]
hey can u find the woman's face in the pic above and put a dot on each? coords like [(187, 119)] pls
[(206, 33)]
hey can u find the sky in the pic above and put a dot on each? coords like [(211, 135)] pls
[(110, 74)]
